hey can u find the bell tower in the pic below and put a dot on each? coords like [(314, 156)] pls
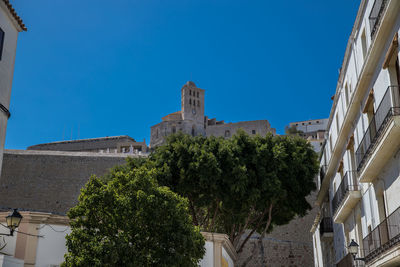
[(192, 103)]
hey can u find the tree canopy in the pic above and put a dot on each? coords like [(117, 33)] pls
[(239, 183), (128, 220)]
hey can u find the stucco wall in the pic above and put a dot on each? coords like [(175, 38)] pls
[(6, 69), (51, 247)]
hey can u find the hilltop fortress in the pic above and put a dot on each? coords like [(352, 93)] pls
[(191, 120)]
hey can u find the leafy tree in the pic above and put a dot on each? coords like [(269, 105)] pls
[(242, 183), (292, 130), (126, 219)]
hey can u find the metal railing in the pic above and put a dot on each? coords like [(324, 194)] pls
[(5, 110), (385, 111), (375, 15), (383, 237), (349, 183), (322, 172), (326, 226)]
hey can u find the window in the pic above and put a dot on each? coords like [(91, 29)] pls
[(190, 92), (346, 91), (227, 133), (337, 123), (194, 102), (197, 94), (198, 103), (364, 44), (1, 42), (190, 101), (173, 129), (193, 132), (253, 131)]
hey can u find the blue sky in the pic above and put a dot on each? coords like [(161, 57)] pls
[(98, 68)]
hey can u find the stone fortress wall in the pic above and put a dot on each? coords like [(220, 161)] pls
[(49, 181), (191, 120), (109, 144)]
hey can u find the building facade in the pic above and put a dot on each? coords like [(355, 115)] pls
[(10, 25), (312, 130), (191, 120), (359, 183)]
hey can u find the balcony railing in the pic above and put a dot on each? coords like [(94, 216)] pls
[(326, 226), (322, 172), (386, 110), (349, 183), (376, 14), (383, 237)]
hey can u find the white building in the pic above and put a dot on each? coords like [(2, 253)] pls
[(10, 25), (359, 181), (312, 130)]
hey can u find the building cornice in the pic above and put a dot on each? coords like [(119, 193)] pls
[(13, 14)]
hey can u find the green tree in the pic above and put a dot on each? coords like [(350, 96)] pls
[(242, 183), (128, 220)]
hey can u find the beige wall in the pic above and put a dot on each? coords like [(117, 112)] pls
[(6, 68)]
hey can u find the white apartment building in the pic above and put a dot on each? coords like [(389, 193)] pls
[(10, 25), (359, 185)]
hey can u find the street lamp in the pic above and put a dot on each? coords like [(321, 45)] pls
[(13, 220), (353, 249)]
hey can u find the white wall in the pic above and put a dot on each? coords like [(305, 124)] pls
[(208, 259), (51, 248)]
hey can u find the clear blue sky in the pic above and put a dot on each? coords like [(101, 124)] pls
[(102, 68)]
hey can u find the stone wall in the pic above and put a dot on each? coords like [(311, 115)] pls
[(286, 245), (261, 127), (49, 181), (91, 144)]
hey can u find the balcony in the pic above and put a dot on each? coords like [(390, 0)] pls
[(375, 15), (384, 237), (381, 139), (346, 197), (326, 228)]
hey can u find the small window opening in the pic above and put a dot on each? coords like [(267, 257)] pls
[(253, 131)]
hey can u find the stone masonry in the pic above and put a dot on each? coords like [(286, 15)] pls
[(191, 120)]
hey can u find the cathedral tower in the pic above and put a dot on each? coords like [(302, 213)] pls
[(192, 103)]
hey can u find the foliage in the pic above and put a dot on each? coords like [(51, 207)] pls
[(293, 131), (240, 183), (128, 220)]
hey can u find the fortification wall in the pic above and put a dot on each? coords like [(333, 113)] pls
[(261, 127), (93, 144), (49, 181), (286, 245)]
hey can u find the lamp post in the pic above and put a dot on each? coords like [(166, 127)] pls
[(13, 220), (353, 249)]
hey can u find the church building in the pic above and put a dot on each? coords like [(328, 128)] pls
[(191, 120)]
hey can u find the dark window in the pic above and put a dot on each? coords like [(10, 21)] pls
[(227, 133), (1, 42), (190, 92), (190, 101), (197, 94), (253, 131), (198, 103), (194, 102), (173, 129), (193, 133)]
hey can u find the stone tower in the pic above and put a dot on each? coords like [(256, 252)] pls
[(192, 103)]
